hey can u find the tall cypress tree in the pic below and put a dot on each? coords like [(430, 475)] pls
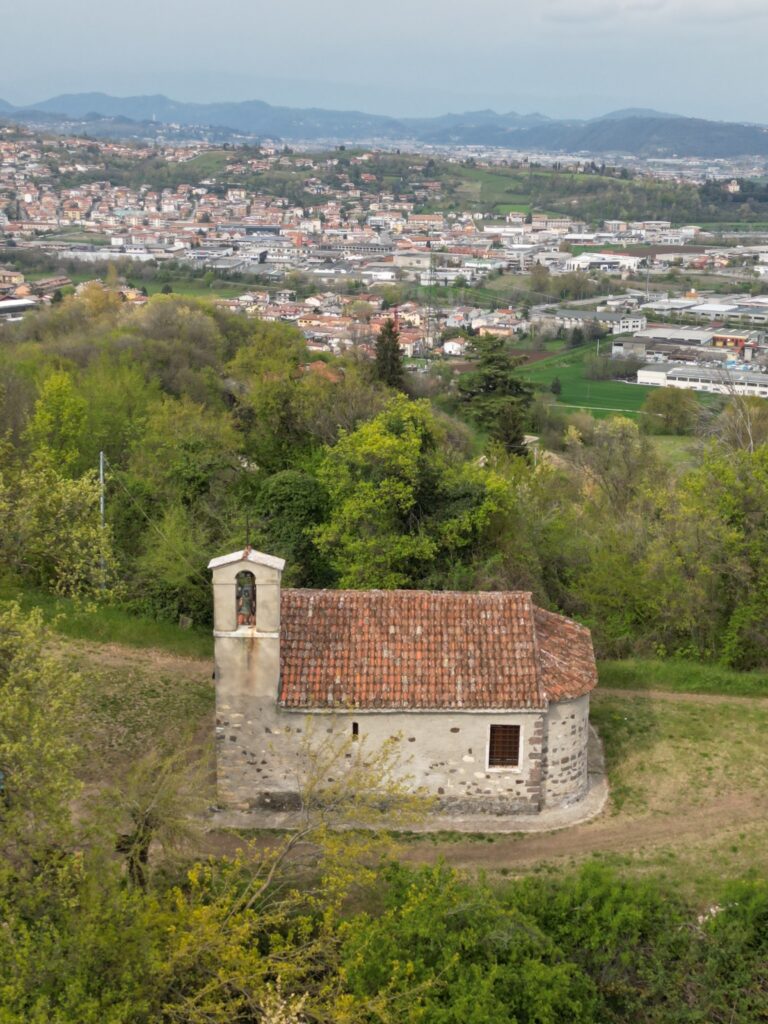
[(389, 358)]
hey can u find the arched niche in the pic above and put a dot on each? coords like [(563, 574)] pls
[(245, 599)]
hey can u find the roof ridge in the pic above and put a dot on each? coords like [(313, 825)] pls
[(541, 689), (432, 593)]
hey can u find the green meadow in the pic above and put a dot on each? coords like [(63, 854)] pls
[(600, 397)]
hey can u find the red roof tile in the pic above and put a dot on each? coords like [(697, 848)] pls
[(566, 656), (428, 649)]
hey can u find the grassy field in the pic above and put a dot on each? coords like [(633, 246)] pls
[(509, 284), (211, 164), (660, 754), (602, 398), (681, 676), (112, 625), (197, 289), (438, 296), (743, 227), (135, 705), (678, 453)]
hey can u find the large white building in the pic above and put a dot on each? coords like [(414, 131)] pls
[(715, 380)]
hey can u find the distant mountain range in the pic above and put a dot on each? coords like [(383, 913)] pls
[(635, 131)]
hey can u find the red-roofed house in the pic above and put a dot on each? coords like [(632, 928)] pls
[(488, 694)]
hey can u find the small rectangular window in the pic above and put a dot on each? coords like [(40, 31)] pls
[(504, 746), (355, 730)]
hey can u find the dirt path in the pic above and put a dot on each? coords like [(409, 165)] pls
[(682, 698), (604, 835)]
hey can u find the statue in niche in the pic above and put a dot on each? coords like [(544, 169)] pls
[(245, 593)]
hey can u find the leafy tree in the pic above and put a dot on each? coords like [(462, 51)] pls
[(576, 337), (17, 397), (117, 399), (669, 411), (185, 452), (178, 498), (326, 403), (618, 461), (494, 395), (52, 537), (719, 529), (403, 508), (264, 375), (617, 932), (742, 423), (288, 506), (540, 279), (58, 421), (389, 358), (38, 703), (444, 949), (374, 478), (157, 802)]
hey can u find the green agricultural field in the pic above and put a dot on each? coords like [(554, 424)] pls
[(605, 398), (197, 289), (512, 207), (740, 227), (207, 165), (509, 284), (602, 398), (78, 237)]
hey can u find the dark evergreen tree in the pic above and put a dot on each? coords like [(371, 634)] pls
[(389, 358), (494, 395)]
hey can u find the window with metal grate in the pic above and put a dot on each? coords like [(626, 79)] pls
[(504, 746)]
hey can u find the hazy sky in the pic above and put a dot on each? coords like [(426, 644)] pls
[(560, 57)]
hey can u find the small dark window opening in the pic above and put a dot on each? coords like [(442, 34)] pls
[(355, 730), (245, 596), (504, 746)]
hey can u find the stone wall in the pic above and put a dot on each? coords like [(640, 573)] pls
[(259, 744), (565, 752), (259, 748)]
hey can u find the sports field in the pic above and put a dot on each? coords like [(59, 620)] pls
[(599, 397)]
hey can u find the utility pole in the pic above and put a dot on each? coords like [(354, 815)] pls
[(102, 514), (102, 497)]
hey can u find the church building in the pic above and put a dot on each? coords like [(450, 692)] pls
[(488, 694)]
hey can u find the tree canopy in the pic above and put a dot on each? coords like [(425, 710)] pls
[(494, 394)]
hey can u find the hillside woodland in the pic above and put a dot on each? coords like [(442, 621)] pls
[(217, 428)]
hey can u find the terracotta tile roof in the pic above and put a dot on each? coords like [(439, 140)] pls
[(426, 649), (566, 656)]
